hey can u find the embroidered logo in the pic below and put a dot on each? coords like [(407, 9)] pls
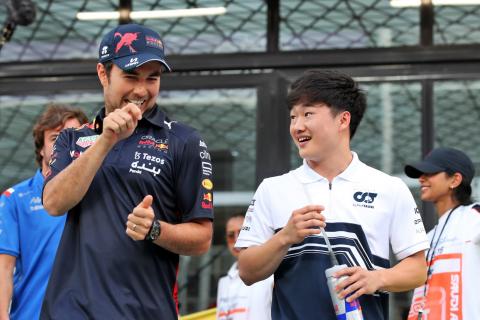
[(207, 184), (85, 142), (126, 40), (364, 199)]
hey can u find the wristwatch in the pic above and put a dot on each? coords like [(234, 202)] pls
[(154, 232)]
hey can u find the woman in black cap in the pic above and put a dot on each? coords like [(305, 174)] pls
[(451, 289)]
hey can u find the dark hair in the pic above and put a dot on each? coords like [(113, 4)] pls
[(236, 215), (336, 90), (108, 68), (53, 117), (463, 192)]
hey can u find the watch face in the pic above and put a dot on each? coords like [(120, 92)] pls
[(154, 231)]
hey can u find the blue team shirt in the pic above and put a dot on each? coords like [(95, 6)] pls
[(100, 272), (28, 233)]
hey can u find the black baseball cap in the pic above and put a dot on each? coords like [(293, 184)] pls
[(131, 45), (443, 160)]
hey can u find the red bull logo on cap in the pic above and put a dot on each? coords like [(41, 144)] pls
[(126, 40)]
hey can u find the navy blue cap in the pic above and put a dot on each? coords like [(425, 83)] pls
[(131, 45), (443, 160)]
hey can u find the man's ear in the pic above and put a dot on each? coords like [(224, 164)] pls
[(345, 118), (102, 74)]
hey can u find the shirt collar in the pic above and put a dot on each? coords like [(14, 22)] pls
[(307, 175), (155, 116), (38, 180), (233, 272)]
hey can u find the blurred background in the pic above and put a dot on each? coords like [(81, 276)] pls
[(419, 63)]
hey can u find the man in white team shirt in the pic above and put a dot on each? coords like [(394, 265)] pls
[(363, 210), (235, 300)]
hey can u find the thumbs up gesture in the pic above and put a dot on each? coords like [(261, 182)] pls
[(141, 219)]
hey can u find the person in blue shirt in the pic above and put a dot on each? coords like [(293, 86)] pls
[(138, 191), (28, 235)]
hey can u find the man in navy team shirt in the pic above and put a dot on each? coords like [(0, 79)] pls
[(138, 191)]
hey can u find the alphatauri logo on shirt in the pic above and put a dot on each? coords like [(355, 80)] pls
[(364, 199)]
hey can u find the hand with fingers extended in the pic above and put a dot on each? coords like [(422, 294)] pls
[(120, 123), (359, 281), (141, 219), (304, 222)]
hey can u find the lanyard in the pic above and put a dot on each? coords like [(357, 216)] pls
[(430, 257)]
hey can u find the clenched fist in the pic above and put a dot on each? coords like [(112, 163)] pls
[(120, 123)]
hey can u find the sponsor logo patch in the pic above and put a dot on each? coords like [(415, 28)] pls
[(8, 192), (154, 42), (74, 154), (152, 142), (206, 168), (207, 205), (204, 155), (126, 40), (146, 162), (207, 201), (207, 196), (85, 142), (202, 144), (36, 204), (169, 124), (207, 184), (364, 199)]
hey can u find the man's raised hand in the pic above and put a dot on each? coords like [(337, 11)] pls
[(120, 123)]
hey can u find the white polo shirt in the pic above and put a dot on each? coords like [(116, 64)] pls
[(454, 277), (236, 301), (366, 211)]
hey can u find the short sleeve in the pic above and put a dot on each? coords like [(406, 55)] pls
[(9, 237), (194, 186), (61, 157), (407, 232), (257, 227)]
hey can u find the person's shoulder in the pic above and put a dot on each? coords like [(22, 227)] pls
[(280, 179), (82, 131), (472, 210), (20, 189), (22, 185), (377, 175), (180, 130), (476, 207), (470, 214)]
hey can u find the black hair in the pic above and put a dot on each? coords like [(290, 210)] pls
[(336, 90), (463, 192), (108, 68), (54, 116)]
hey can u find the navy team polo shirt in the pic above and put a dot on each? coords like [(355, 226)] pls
[(101, 273)]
